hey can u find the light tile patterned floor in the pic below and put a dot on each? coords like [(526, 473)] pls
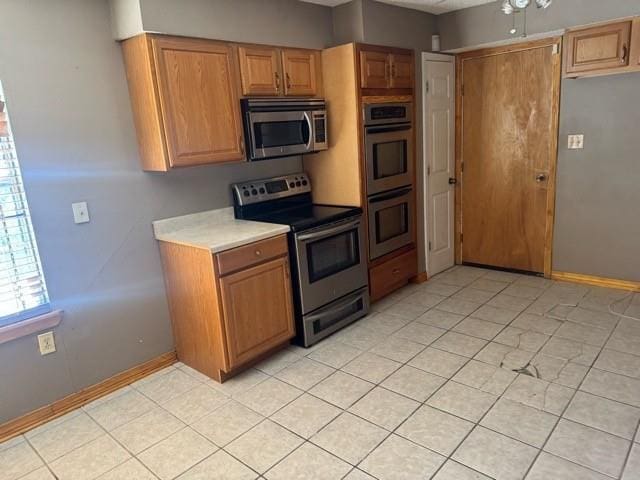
[(473, 375)]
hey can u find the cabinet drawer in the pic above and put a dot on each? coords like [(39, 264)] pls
[(391, 275), (252, 254)]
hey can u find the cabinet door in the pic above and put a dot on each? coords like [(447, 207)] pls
[(598, 48), (258, 313), (300, 68), (634, 55), (259, 70), (374, 69), (197, 83), (401, 71)]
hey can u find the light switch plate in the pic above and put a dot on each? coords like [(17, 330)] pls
[(80, 212), (575, 142), (46, 343)]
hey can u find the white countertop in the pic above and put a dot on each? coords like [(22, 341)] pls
[(216, 230)]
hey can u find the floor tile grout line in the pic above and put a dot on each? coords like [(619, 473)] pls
[(628, 456), (561, 416)]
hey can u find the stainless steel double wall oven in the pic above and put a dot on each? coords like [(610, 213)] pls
[(388, 156)]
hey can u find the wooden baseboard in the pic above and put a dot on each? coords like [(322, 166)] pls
[(419, 278), (58, 408), (597, 281)]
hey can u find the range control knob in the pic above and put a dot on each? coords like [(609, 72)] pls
[(262, 190), (304, 183), (298, 183), (291, 184), (254, 192), (246, 193)]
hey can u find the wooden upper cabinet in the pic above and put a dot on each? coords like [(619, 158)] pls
[(386, 68), (258, 312), (184, 94), (598, 49), (401, 71), (260, 70), (374, 69), (300, 70), (200, 104)]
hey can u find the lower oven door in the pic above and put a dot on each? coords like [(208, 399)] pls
[(390, 221), (330, 262), (330, 318)]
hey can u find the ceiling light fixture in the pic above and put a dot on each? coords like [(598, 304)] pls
[(513, 7)]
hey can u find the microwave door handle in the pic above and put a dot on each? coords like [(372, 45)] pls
[(307, 118), (350, 300), (328, 232), (389, 196)]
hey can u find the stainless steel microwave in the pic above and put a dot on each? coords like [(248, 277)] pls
[(280, 127)]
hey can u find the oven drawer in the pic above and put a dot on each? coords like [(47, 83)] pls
[(392, 274), (252, 254)]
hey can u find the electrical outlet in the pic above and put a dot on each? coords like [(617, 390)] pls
[(80, 212), (47, 343), (575, 142)]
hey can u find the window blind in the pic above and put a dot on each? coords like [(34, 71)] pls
[(23, 291)]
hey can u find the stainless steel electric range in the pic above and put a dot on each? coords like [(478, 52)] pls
[(326, 250)]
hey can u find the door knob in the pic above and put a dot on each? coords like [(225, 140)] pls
[(453, 181), (541, 177)]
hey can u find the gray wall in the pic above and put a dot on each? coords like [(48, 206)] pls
[(597, 231), (279, 22), (67, 97), (486, 23), (597, 227), (348, 23)]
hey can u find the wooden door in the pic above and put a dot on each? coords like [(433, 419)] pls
[(300, 69), (401, 71), (598, 48), (440, 144), (258, 313), (509, 113), (374, 69), (197, 83), (260, 70)]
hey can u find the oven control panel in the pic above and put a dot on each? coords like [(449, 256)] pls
[(267, 189)]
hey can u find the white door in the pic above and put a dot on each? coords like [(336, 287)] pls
[(439, 141)]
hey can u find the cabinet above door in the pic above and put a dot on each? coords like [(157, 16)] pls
[(604, 49)]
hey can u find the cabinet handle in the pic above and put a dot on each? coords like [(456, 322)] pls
[(624, 53), (241, 143), (288, 81), (386, 71), (395, 271), (277, 81), (258, 253), (393, 70)]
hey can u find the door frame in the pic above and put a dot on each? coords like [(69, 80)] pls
[(551, 191), (433, 57)]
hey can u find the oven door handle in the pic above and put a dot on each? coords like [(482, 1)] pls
[(345, 302), (389, 195), (328, 232)]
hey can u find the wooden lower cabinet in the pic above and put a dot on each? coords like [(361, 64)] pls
[(223, 322), (257, 310), (387, 277)]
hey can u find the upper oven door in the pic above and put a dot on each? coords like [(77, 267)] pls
[(330, 262), (388, 157), (277, 134), (390, 221)]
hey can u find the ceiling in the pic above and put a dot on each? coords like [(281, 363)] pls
[(431, 6)]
